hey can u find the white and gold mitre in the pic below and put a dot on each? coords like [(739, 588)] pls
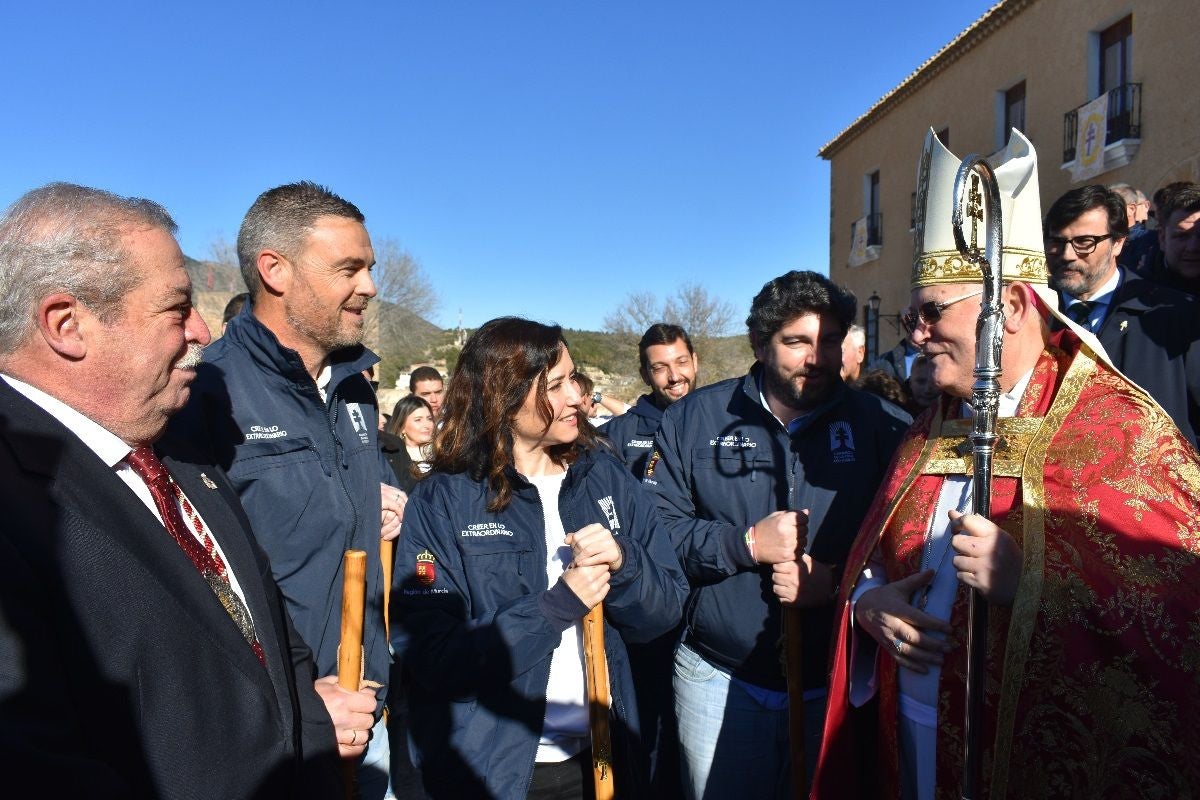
[(935, 257)]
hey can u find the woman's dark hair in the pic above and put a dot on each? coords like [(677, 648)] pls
[(404, 409), (498, 366)]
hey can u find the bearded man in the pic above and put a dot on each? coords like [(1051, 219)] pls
[(668, 365), (1088, 560), (282, 404), (762, 481)]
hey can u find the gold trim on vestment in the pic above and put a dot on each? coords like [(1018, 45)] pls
[(952, 450), (903, 490), (1027, 603)]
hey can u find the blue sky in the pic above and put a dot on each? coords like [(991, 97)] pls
[(539, 157)]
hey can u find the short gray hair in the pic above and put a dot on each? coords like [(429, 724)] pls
[(67, 238), (858, 335), (1127, 192), (281, 219)]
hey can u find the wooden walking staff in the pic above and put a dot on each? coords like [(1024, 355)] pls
[(597, 685), (793, 664), (795, 688), (350, 648), (985, 400), (387, 555)]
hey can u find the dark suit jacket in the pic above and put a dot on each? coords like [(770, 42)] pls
[(1152, 334), (120, 673)]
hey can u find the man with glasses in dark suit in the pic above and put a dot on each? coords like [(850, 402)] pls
[(1149, 331)]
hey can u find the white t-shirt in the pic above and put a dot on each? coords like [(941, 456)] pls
[(565, 727)]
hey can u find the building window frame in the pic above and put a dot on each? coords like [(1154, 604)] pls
[(872, 210), (1012, 111)]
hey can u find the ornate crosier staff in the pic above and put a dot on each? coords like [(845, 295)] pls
[(985, 400)]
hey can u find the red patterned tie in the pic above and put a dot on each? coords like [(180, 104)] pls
[(204, 557)]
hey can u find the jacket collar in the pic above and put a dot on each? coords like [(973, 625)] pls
[(751, 394), (645, 407), (575, 473), (264, 348)]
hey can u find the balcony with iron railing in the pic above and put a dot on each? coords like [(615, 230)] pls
[(874, 229), (1123, 130)]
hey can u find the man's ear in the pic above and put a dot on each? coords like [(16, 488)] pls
[(1117, 246), (756, 347), (1019, 306), (63, 323), (275, 271)]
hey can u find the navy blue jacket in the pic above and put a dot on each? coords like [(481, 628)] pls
[(1152, 334), (476, 626), (632, 433), (722, 462), (307, 471)]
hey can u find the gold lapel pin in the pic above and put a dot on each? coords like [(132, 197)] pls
[(207, 481), (1124, 324)]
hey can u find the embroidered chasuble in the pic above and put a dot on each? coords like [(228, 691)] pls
[(1093, 685)]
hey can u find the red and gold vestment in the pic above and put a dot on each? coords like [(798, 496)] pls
[(1093, 687)]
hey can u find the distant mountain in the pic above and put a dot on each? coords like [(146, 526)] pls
[(402, 338), (209, 276)]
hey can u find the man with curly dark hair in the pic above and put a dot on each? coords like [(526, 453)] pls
[(762, 482)]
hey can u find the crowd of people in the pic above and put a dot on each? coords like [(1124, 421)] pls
[(761, 583)]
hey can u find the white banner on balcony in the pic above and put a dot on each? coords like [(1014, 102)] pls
[(858, 243), (1089, 143)]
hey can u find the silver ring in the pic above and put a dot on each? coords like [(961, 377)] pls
[(897, 643), (353, 738)]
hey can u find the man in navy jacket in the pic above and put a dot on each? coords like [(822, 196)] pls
[(762, 482), (1150, 332), (282, 405), (668, 366)]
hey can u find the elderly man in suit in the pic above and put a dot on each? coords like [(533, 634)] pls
[(144, 648)]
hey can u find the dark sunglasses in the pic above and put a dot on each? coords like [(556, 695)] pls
[(930, 311), (1082, 245)]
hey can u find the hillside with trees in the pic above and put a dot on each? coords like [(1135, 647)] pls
[(398, 328)]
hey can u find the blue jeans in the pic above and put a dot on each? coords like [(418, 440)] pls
[(730, 744), (373, 772)]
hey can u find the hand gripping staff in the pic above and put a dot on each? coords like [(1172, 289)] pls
[(597, 686), (350, 648), (985, 400)]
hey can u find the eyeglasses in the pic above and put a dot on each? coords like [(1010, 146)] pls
[(1082, 245), (930, 311)]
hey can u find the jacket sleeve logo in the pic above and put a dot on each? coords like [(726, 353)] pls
[(652, 463), (426, 568), (610, 513), (359, 422)]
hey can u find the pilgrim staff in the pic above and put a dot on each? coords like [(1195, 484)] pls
[(597, 687), (350, 649), (795, 688)]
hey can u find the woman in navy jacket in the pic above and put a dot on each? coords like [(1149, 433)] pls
[(521, 528)]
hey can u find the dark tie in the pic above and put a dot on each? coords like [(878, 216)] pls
[(204, 557), (1079, 313)]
